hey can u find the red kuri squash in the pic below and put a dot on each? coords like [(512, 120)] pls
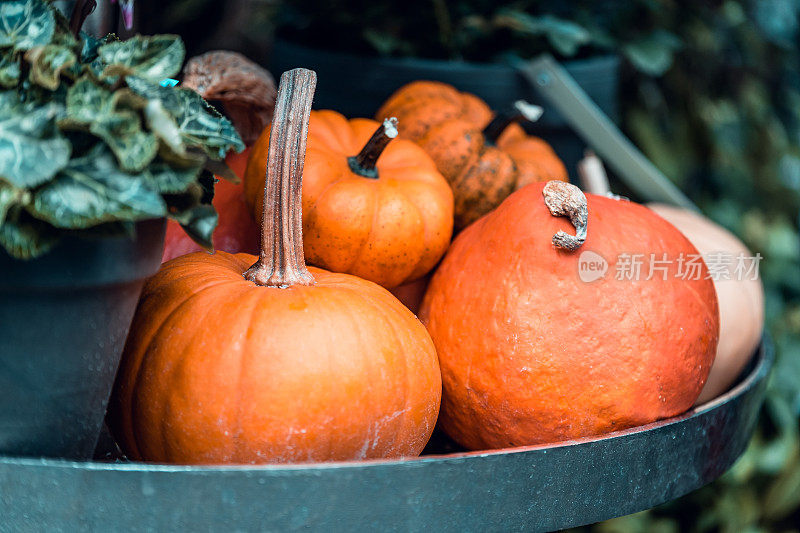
[(542, 341)]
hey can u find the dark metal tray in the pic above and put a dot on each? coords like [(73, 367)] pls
[(531, 488)]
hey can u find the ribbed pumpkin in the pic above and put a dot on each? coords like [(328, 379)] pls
[(483, 159), (539, 343), (275, 363), (372, 207)]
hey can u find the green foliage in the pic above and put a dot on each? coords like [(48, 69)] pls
[(482, 30), (25, 25), (90, 141)]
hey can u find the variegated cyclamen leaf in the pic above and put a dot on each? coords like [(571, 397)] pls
[(122, 132), (9, 71), (151, 57), (25, 24), (171, 180), (32, 149), (25, 237), (47, 63), (164, 126), (92, 190), (107, 117), (200, 125), (86, 101)]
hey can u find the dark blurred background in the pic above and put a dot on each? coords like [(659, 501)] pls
[(709, 90)]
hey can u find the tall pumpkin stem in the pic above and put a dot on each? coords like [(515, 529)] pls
[(521, 110), (281, 262), (364, 163)]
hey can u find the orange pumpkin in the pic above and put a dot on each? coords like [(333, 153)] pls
[(275, 363), (484, 160), (236, 230), (539, 343), (372, 208)]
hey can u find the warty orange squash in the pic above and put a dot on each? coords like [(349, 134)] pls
[(483, 157)]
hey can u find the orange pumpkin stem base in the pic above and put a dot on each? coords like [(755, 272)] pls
[(364, 163), (281, 262)]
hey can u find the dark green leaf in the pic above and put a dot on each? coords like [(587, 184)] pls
[(9, 71), (93, 189), (564, 35), (155, 58), (25, 24), (219, 168), (199, 223), (47, 63), (653, 54), (24, 237), (171, 180), (200, 124), (31, 148), (122, 132)]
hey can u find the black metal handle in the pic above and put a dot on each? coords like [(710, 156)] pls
[(560, 90)]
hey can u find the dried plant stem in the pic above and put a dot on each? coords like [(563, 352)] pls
[(281, 262)]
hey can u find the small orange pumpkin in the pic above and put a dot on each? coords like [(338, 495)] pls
[(373, 208), (275, 363), (535, 348), (483, 159)]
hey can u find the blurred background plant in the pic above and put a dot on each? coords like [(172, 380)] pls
[(710, 92)]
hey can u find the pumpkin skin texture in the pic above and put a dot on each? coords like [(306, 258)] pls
[(482, 171), (741, 302), (390, 230), (236, 230), (220, 370), (532, 354)]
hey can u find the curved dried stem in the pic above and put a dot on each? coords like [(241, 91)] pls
[(566, 200)]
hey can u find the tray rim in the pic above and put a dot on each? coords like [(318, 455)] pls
[(762, 362)]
